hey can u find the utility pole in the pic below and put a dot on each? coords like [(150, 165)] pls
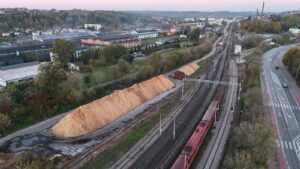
[(174, 128), (182, 91), (159, 123)]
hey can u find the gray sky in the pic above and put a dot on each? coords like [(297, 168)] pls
[(174, 5)]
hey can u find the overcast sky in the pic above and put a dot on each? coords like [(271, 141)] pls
[(174, 5)]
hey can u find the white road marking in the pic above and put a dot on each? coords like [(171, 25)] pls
[(291, 146), (286, 144), (281, 143)]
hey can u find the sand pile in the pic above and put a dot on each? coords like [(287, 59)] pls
[(189, 69), (95, 115), (186, 70)]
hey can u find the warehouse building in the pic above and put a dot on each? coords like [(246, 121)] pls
[(146, 33), (126, 40), (19, 72)]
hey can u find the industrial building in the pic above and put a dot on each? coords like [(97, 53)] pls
[(146, 33), (126, 40), (19, 72), (73, 36)]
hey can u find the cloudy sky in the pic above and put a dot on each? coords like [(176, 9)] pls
[(182, 5)]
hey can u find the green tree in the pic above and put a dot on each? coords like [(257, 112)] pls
[(113, 53), (50, 77), (120, 69), (123, 66), (63, 51), (292, 60), (154, 61), (194, 35), (5, 123)]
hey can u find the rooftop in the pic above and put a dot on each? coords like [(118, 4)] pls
[(19, 71), (146, 30), (69, 35), (117, 37)]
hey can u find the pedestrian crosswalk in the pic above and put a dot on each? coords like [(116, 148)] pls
[(285, 144), (284, 106)]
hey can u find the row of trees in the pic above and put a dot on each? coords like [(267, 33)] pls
[(40, 19), (276, 24), (253, 137), (292, 60), (107, 56)]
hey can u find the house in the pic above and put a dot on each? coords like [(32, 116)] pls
[(75, 66), (166, 29), (294, 30), (95, 27), (126, 40), (146, 33), (237, 49), (5, 34), (16, 73), (183, 36)]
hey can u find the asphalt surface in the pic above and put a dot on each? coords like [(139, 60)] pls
[(285, 108)]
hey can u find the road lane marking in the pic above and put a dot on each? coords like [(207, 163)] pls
[(286, 144), (291, 146)]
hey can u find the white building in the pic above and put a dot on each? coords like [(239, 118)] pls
[(294, 30), (200, 25), (237, 49), (5, 34), (146, 34), (189, 19), (16, 73), (97, 27)]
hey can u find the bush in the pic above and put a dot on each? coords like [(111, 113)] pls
[(30, 160), (5, 123)]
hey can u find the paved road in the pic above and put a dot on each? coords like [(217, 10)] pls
[(285, 108)]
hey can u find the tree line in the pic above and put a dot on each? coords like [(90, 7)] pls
[(275, 24), (252, 138), (292, 60), (40, 19)]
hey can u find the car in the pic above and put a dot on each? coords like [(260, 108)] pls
[(277, 67), (285, 85)]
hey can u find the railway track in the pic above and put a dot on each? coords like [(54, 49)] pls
[(153, 133), (161, 154), (80, 160), (215, 152)]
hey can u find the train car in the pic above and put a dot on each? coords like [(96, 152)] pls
[(187, 155)]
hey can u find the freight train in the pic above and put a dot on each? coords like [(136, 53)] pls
[(187, 155)]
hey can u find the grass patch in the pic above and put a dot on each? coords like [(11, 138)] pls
[(109, 156)]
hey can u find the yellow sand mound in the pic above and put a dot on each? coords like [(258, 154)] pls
[(95, 115), (189, 69)]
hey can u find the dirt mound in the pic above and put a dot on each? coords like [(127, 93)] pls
[(95, 115), (186, 70), (189, 69)]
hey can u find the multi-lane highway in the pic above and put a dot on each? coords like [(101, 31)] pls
[(284, 107)]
